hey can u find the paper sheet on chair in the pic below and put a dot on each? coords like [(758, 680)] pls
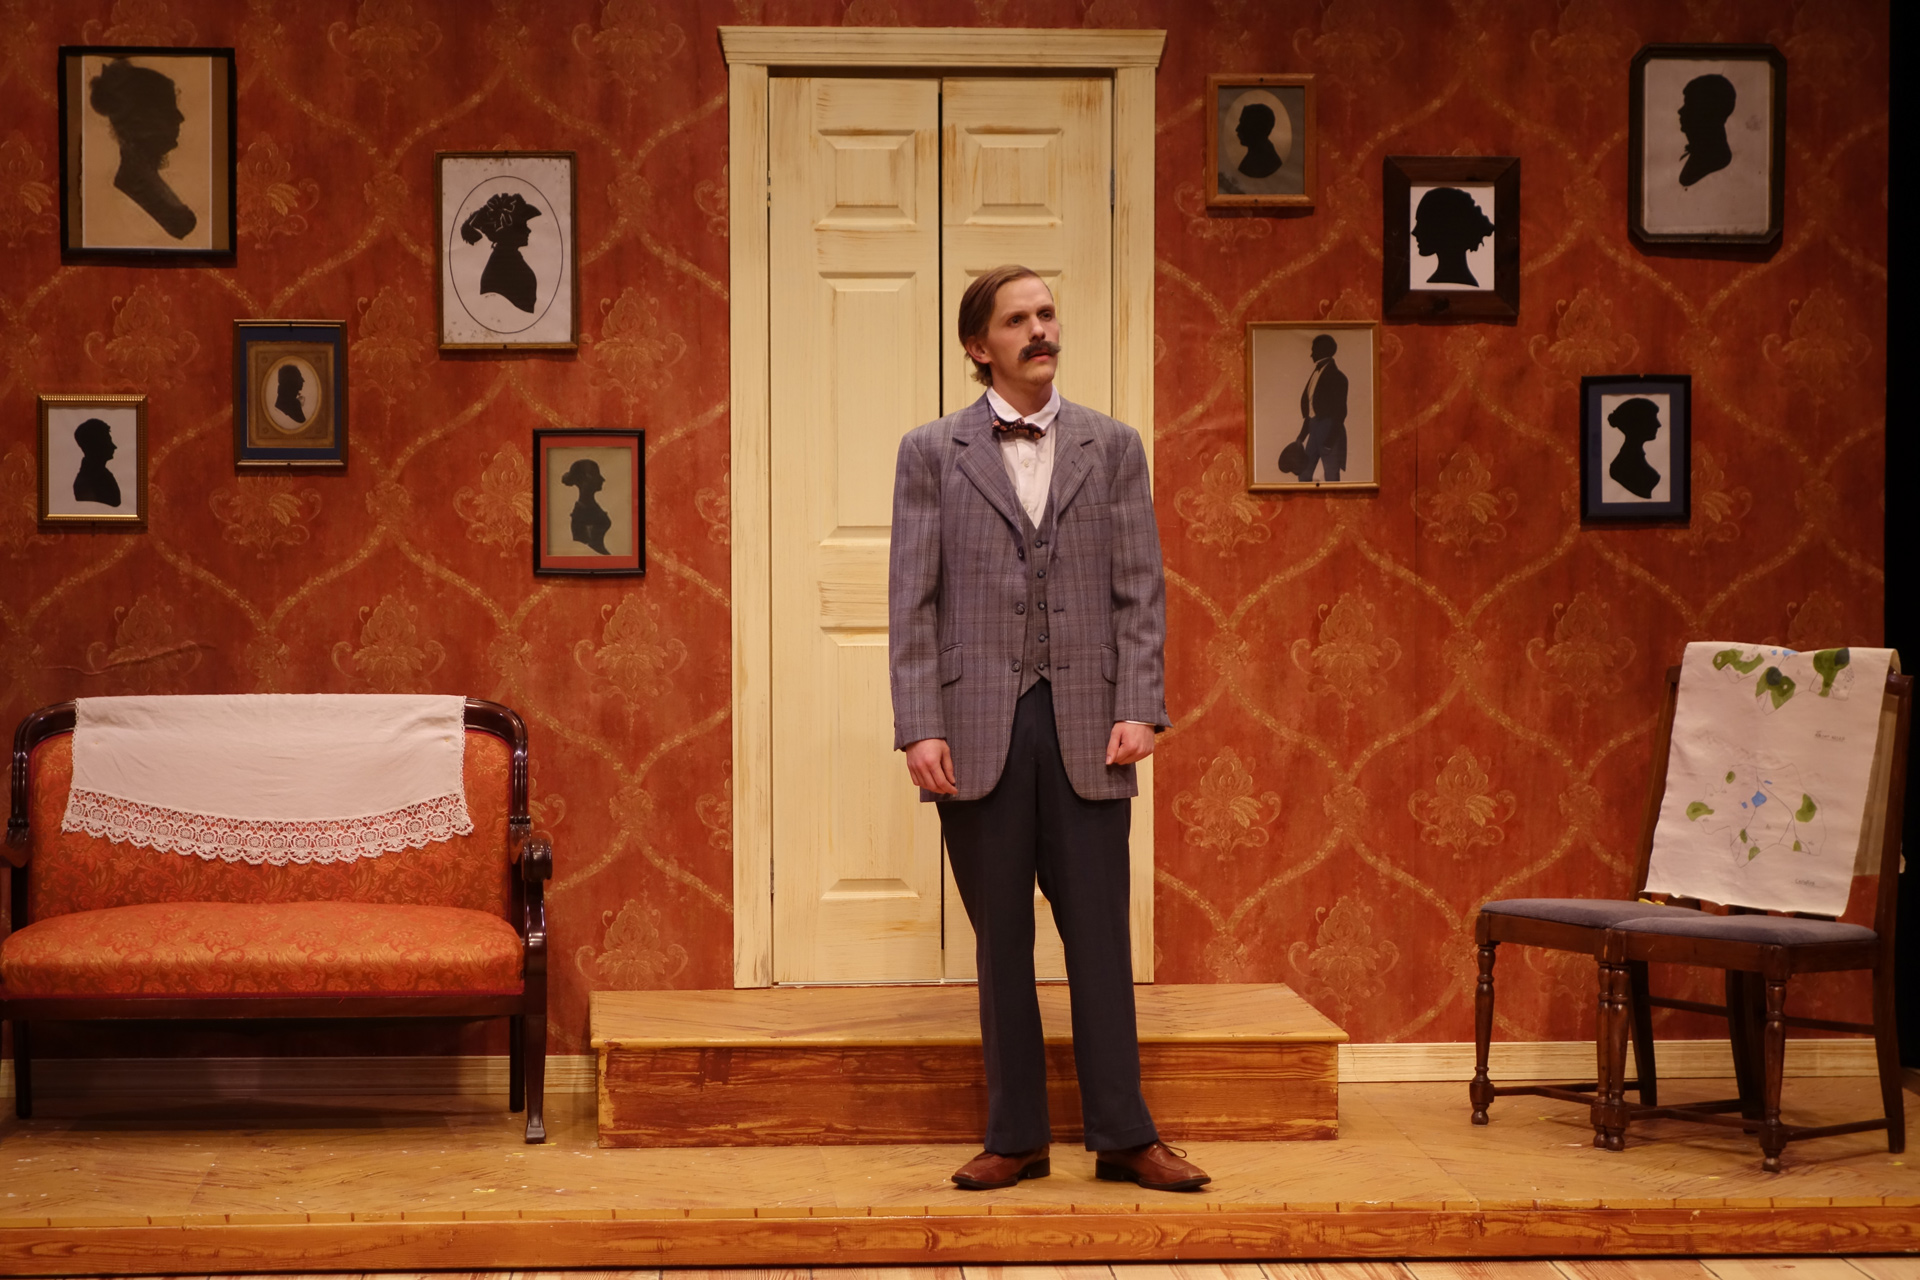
[(1768, 775), (270, 778)]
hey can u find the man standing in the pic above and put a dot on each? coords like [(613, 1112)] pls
[(1027, 611), (1323, 412)]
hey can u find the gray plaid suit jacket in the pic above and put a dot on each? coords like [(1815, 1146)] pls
[(956, 575)]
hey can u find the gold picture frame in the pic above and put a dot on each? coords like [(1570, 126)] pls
[(93, 461)]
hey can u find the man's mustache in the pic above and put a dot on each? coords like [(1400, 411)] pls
[(1039, 347)]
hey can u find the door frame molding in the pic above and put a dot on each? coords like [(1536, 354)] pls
[(752, 55)]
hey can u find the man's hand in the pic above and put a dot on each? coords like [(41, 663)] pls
[(930, 765), (1129, 742)]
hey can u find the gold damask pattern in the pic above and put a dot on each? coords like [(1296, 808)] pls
[(1388, 709)]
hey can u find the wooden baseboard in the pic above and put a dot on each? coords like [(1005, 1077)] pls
[(1574, 1059), (481, 1074)]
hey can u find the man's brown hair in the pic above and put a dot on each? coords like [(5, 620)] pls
[(976, 308)]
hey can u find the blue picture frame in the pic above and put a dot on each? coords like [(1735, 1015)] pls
[(290, 395), (1636, 449)]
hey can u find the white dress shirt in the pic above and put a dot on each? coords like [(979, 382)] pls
[(1029, 463)]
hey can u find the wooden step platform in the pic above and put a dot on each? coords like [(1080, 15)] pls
[(813, 1066)]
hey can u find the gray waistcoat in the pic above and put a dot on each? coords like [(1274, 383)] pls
[(1035, 663)]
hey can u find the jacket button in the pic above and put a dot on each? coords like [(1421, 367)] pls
[(1039, 573), (1021, 607), (1016, 664), (1043, 606), (1043, 637)]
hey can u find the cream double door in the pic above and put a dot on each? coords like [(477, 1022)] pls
[(886, 197)]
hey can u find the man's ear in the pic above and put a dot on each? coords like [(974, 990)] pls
[(976, 351)]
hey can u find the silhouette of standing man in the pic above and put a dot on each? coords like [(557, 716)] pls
[(93, 482), (1323, 412)]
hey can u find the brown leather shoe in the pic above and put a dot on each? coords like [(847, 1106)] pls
[(1155, 1166), (986, 1171)]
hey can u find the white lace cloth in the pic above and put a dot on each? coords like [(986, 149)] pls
[(270, 778)]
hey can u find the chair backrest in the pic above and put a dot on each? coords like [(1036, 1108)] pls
[(72, 871), (1778, 777)]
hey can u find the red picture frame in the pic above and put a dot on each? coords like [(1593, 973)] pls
[(589, 503)]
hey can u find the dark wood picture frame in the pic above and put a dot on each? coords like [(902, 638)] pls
[(1671, 222), (468, 313), (1497, 300), (1282, 350), (278, 365), (1294, 96), (105, 455), (1604, 498), (116, 208), (622, 549)]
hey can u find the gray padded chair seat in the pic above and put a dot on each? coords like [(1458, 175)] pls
[(1591, 913), (1782, 931)]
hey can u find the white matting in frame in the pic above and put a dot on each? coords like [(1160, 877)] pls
[(507, 250), (1312, 396)]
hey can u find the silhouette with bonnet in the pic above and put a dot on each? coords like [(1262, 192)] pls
[(590, 520), (142, 107), (1638, 422), (1705, 106), (93, 482), (286, 396), (1448, 225), (1255, 131), (503, 220)]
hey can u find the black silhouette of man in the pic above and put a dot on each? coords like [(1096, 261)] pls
[(503, 221), (590, 520), (1706, 104), (1638, 422), (1448, 225), (1323, 413), (93, 482), (1255, 131), (142, 107), (287, 394)]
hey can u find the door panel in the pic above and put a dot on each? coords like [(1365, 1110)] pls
[(854, 294)]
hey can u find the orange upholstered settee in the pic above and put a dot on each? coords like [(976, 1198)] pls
[(455, 929)]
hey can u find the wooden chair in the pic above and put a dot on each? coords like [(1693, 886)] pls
[(1580, 925), (1760, 954)]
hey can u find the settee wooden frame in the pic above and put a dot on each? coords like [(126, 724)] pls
[(526, 1013)]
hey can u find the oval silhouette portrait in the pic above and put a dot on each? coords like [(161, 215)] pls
[(1257, 145), (290, 394), (506, 254)]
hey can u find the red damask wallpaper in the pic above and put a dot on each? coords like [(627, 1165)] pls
[(1388, 708)]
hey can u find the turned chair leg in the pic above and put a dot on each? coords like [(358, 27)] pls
[(1481, 1090), (1645, 1074), (516, 1064), (1886, 1048), (534, 1056), (1745, 1019), (1773, 1134), (1610, 1100)]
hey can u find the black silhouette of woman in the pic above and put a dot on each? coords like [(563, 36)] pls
[(287, 395), (590, 520), (93, 482), (142, 107), (1705, 106), (1255, 131), (1638, 422), (1448, 225), (503, 220)]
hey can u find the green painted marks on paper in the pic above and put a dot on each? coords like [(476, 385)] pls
[(1731, 658), (1806, 810), (1776, 684), (1829, 663), (1699, 809)]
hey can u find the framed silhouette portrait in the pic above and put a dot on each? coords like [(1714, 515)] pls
[(1261, 140), (1707, 143), (289, 395), (1636, 449), (1313, 388), (589, 503), (508, 273), (1451, 243), (93, 461), (147, 152)]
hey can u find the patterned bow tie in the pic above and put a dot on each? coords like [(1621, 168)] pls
[(1018, 429)]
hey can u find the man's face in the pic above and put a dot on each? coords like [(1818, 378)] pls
[(1322, 349), (1022, 341)]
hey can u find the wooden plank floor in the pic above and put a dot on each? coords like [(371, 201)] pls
[(360, 1186), (1804, 1268)]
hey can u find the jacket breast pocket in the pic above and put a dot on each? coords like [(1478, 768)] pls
[(1110, 663), (950, 663), (1084, 511)]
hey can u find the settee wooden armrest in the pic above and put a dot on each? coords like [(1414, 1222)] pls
[(456, 929)]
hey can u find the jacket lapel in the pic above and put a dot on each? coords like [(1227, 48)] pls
[(1070, 457), (980, 461)]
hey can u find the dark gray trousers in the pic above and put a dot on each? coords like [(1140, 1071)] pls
[(1033, 824)]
